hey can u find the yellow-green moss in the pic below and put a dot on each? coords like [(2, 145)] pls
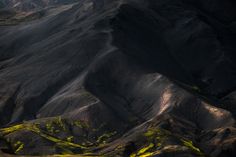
[(143, 150), (70, 138), (190, 145), (51, 128), (12, 129), (153, 140), (103, 138), (159, 136), (18, 146), (60, 123), (80, 124)]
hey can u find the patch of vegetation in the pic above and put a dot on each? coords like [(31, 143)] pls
[(52, 129), (80, 124), (193, 148), (18, 146), (103, 138), (155, 141), (152, 142)]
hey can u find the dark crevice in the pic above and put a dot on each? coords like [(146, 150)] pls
[(8, 108)]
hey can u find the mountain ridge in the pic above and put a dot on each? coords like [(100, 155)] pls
[(120, 78)]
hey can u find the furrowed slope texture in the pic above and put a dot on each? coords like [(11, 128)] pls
[(30, 5), (121, 78)]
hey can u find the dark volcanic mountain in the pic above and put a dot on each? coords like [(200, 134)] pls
[(119, 78), (14, 12), (29, 5)]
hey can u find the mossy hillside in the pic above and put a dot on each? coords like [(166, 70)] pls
[(160, 141), (155, 141), (151, 141), (59, 132)]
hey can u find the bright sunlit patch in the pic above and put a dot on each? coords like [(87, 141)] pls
[(216, 112), (164, 101)]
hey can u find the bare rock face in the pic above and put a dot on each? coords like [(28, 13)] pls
[(119, 78)]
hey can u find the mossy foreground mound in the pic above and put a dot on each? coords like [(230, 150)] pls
[(66, 137), (54, 135)]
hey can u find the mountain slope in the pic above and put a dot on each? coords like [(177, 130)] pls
[(121, 78), (30, 5)]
